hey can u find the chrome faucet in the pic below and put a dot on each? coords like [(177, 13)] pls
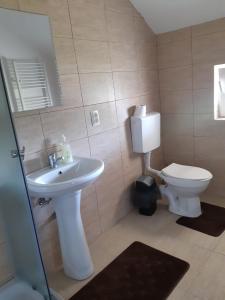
[(53, 160)]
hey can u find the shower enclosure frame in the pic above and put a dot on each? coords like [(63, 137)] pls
[(25, 206)]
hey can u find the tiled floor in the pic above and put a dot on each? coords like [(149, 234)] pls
[(205, 279)]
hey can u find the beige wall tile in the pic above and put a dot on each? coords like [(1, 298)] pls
[(131, 84), (203, 75), (142, 31), (122, 6), (10, 4), (126, 84), (97, 88), (112, 215), (35, 161), (51, 254), (89, 205), (71, 92), (175, 54), (65, 55), (123, 56), (203, 101), (176, 78), (173, 102), (80, 148), (34, 6), (148, 81), (32, 142), (205, 125), (93, 231), (71, 123), (92, 56), (86, 3), (209, 27), (177, 124), (120, 27), (60, 19), (174, 36), (178, 148), (109, 193), (146, 55), (88, 20), (107, 115), (209, 147), (209, 48), (102, 147), (43, 218)]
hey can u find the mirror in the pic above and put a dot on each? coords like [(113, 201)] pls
[(219, 92), (28, 61)]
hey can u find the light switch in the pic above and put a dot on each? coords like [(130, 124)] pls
[(95, 120)]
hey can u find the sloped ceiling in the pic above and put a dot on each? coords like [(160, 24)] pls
[(168, 15)]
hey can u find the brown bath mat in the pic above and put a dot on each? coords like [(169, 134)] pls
[(211, 222), (138, 273)]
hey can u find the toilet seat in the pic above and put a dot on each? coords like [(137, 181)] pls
[(186, 172)]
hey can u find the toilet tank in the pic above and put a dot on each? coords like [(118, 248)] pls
[(145, 132)]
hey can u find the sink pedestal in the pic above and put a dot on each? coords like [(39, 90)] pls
[(75, 252)]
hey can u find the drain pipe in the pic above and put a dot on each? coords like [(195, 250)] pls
[(147, 165)]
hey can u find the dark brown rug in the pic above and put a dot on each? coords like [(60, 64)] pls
[(138, 273), (211, 222)]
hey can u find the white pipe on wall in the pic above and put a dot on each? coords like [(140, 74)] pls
[(147, 164)]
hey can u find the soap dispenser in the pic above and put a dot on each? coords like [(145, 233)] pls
[(66, 151)]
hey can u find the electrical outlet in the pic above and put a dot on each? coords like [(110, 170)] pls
[(95, 120)]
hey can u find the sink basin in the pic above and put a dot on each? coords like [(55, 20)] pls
[(64, 179), (64, 185)]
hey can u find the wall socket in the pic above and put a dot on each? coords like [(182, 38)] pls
[(95, 120)]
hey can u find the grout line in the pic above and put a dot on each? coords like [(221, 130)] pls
[(176, 67), (193, 104)]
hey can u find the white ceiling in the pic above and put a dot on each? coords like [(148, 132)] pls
[(168, 15)]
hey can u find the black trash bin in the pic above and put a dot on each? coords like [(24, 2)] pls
[(145, 195)]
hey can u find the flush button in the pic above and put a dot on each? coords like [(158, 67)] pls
[(95, 120)]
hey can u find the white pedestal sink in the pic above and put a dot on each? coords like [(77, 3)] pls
[(64, 185)]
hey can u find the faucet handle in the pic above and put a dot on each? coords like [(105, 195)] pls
[(53, 160), (52, 156)]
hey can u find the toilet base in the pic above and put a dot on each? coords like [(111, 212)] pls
[(181, 205)]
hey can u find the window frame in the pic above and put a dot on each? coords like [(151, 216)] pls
[(219, 105)]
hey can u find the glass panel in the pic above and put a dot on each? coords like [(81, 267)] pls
[(15, 207)]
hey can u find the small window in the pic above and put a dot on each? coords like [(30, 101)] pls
[(219, 92)]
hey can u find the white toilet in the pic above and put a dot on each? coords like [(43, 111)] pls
[(184, 184)]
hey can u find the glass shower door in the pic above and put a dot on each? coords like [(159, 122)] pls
[(16, 209)]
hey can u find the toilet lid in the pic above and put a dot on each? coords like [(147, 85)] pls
[(186, 172)]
